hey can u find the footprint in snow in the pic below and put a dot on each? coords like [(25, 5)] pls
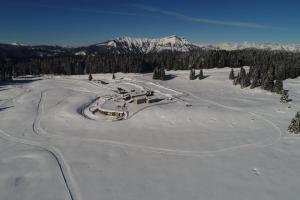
[(256, 171), (213, 119)]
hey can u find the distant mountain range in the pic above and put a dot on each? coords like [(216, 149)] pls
[(145, 45), (134, 45), (253, 45)]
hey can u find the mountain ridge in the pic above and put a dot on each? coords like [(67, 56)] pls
[(137, 45), (147, 45)]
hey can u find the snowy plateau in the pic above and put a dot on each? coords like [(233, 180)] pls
[(212, 140)]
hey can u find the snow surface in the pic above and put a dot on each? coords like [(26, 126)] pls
[(230, 144)]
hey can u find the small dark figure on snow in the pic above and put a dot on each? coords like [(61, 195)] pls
[(295, 124), (90, 77), (113, 76)]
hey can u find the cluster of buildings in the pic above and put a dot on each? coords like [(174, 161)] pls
[(116, 106), (138, 97)]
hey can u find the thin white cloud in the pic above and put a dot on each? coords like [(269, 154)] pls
[(204, 20)]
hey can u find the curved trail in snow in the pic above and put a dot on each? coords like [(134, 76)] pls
[(280, 134), (234, 109), (179, 152), (36, 123), (13, 99), (64, 168), (62, 164)]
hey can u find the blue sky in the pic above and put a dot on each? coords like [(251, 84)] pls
[(82, 22)]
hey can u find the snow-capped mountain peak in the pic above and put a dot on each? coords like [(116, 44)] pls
[(173, 40), (146, 45)]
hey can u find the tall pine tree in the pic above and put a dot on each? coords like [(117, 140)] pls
[(200, 75), (231, 75), (278, 86), (192, 74)]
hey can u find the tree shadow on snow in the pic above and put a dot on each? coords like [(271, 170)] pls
[(4, 108), (18, 82), (3, 89), (169, 77), (204, 77)]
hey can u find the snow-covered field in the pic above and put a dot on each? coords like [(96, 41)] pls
[(230, 144)]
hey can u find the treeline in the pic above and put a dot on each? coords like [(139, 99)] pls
[(284, 64)]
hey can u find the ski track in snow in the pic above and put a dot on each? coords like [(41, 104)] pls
[(36, 124), (168, 151), (62, 163)]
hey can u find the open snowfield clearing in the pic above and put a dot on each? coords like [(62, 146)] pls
[(230, 144)]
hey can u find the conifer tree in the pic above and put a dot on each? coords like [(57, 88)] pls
[(256, 82), (268, 83), (201, 76), (255, 78), (90, 77), (294, 127), (192, 74), (284, 97), (278, 86), (242, 73), (231, 75), (237, 80), (156, 74), (162, 74), (245, 82), (159, 73)]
